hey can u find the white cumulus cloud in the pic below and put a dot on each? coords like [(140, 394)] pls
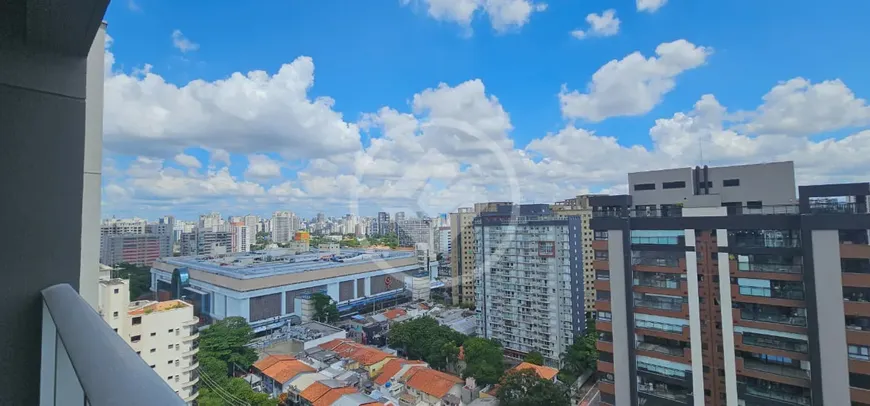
[(503, 15), (650, 6), (633, 85), (189, 161), (605, 24)]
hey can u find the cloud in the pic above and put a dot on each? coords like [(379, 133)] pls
[(189, 161), (452, 144), (633, 85), (798, 107), (133, 5), (504, 15), (183, 43), (605, 24), (241, 114), (262, 167), (650, 6)]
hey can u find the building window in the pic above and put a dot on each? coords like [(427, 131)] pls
[(153, 334), (707, 184), (755, 204), (115, 314), (169, 378), (674, 185), (170, 347), (601, 255), (859, 352), (116, 291), (645, 186), (731, 182), (170, 362), (152, 366), (116, 330), (153, 350), (138, 352), (137, 320), (170, 330), (135, 339)]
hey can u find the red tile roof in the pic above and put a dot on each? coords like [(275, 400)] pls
[(391, 368), (542, 371), (330, 397), (363, 354), (315, 391), (393, 313), (282, 368), (429, 381)]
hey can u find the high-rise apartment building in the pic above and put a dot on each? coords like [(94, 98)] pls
[(164, 334), (212, 222), (579, 206), (717, 286), (203, 242), (442, 241), (413, 231), (383, 223), (135, 249), (282, 226), (462, 255), (135, 241), (524, 294), (251, 222), (240, 237)]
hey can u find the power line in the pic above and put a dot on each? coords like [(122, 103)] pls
[(221, 392)]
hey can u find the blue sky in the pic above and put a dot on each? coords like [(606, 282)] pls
[(368, 55)]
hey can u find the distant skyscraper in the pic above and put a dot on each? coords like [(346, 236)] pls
[(383, 222), (211, 221), (282, 226), (251, 223)]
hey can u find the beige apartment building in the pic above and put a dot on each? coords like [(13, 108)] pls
[(462, 255), (164, 334), (579, 206)]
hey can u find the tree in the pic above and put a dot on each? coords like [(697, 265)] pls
[(423, 338), (226, 340), (484, 360), (580, 356), (526, 388), (325, 309), (139, 277), (534, 357)]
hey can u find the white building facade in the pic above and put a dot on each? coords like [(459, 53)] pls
[(164, 334)]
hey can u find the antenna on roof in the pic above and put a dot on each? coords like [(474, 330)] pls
[(700, 153)]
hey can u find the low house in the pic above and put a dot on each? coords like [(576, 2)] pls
[(276, 371), (546, 373), (358, 355), (431, 387)]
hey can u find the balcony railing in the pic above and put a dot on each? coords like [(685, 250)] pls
[(774, 318), (838, 208), (657, 283), (85, 362), (776, 369), (781, 396), (772, 268), (658, 304), (663, 392), (777, 343), (673, 351), (791, 294)]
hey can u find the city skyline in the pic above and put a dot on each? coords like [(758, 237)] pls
[(641, 88)]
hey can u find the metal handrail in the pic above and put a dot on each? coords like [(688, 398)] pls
[(108, 370)]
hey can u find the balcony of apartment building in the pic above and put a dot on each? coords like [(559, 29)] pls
[(856, 301), (644, 240), (57, 350), (790, 345), (655, 392), (602, 300), (599, 240), (856, 272), (604, 341), (854, 244), (664, 348), (770, 292), (770, 317), (605, 362), (773, 368), (602, 280), (675, 375), (661, 305), (658, 261), (859, 358), (660, 283), (859, 388), (783, 242), (603, 321), (766, 266), (662, 327), (762, 392), (858, 330)]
